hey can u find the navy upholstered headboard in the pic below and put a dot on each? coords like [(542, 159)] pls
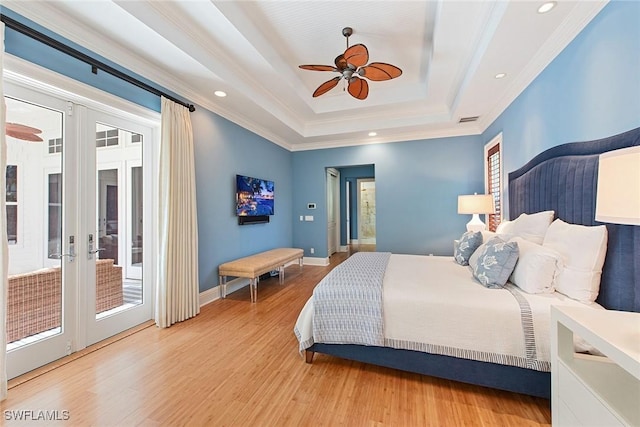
[(564, 179)]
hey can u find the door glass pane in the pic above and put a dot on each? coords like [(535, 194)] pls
[(33, 195), (119, 220)]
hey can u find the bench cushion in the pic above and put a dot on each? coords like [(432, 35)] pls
[(255, 265)]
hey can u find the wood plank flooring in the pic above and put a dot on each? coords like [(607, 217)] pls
[(236, 363)]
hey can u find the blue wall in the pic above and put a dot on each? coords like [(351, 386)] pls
[(590, 91), (417, 188), (222, 150)]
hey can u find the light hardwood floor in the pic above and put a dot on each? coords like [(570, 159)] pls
[(236, 363)]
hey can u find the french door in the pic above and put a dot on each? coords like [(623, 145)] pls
[(80, 218)]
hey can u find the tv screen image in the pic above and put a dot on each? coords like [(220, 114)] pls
[(254, 196)]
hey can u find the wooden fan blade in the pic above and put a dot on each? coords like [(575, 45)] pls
[(326, 86), (357, 55), (22, 128), (358, 88), (378, 71), (318, 67), (25, 136)]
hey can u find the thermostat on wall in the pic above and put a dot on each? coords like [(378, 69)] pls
[(311, 206)]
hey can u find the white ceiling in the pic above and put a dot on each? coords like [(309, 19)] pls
[(449, 52)]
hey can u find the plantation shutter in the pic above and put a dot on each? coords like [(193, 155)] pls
[(494, 185)]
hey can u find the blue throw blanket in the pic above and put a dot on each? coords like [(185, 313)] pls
[(348, 301)]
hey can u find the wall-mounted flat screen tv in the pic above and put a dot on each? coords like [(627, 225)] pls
[(254, 196)]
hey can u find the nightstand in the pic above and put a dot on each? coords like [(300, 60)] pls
[(594, 390)]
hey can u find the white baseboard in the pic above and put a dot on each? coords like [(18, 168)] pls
[(210, 295), (343, 248), (316, 261)]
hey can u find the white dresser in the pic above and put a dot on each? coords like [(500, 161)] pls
[(592, 390)]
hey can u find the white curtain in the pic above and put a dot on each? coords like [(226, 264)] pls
[(177, 288), (4, 246)]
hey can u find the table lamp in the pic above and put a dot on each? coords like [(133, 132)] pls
[(618, 191), (476, 204)]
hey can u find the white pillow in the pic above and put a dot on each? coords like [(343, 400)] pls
[(583, 250), (504, 227), (528, 226), (536, 268), (487, 235)]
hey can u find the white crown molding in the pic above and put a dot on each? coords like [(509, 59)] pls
[(469, 130)]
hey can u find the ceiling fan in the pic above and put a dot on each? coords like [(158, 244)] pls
[(352, 64), (23, 132)]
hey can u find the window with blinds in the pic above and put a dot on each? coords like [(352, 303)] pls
[(494, 185)]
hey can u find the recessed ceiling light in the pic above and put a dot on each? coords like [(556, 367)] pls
[(500, 75), (220, 93), (373, 133), (546, 7)]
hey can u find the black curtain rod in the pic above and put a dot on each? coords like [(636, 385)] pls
[(95, 64)]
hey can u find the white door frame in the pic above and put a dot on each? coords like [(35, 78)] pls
[(333, 195)]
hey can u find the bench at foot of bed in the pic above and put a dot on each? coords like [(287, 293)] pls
[(253, 266)]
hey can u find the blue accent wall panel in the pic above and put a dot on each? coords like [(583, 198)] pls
[(224, 149), (417, 188), (590, 91)]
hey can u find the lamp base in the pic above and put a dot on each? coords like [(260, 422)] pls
[(476, 224)]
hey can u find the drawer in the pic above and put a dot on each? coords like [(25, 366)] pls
[(581, 402)]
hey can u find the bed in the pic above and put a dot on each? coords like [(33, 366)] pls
[(561, 179)]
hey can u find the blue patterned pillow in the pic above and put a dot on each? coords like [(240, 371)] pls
[(463, 248), (496, 262)]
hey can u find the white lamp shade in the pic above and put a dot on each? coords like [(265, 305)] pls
[(476, 204), (618, 192)]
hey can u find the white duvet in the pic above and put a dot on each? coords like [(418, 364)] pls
[(434, 305)]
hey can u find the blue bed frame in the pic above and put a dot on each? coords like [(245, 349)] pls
[(563, 179)]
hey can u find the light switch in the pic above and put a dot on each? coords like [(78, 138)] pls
[(301, 218), (308, 217)]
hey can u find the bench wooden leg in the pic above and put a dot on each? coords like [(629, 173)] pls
[(253, 288)]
